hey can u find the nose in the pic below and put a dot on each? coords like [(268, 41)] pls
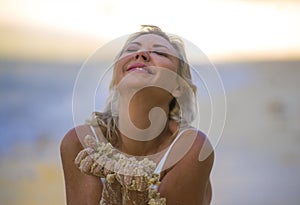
[(143, 55)]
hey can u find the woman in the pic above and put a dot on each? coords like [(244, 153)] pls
[(151, 71)]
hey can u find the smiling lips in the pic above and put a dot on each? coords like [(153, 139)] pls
[(139, 67)]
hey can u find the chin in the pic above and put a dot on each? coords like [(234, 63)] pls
[(136, 80)]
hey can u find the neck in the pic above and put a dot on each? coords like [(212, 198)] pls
[(140, 136), (146, 148)]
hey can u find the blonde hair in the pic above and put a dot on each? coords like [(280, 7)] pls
[(108, 119)]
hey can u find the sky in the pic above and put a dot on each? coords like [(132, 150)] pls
[(225, 30)]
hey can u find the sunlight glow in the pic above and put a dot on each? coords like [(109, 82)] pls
[(222, 29)]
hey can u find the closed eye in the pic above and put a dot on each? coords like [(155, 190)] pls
[(131, 50), (160, 53)]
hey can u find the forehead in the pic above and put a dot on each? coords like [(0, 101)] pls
[(153, 40)]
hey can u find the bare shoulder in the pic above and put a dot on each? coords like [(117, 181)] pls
[(199, 159), (72, 144), (80, 188), (75, 136), (192, 148), (201, 152), (187, 181)]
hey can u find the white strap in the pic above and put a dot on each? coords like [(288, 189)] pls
[(94, 132), (163, 160)]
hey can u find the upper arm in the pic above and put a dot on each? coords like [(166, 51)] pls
[(80, 188), (187, 182)]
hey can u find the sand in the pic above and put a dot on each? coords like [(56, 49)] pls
[(32, 175)]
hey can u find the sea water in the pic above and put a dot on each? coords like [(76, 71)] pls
[(36, 99)]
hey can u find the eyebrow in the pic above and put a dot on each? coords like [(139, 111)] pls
[(154, 45), (159, 45), (137, 43)]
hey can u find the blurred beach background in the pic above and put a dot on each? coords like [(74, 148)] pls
[(255, 46)]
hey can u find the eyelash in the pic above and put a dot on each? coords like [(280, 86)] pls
[(130, 50), (160, 53), (155, 52)]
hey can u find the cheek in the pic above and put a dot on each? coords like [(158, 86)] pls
[(169, 64), (118, 73), (119, 68), (122, 61)]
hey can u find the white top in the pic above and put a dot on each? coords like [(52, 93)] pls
[(164, 158)]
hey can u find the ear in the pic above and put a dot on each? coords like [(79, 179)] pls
[(177, 92)]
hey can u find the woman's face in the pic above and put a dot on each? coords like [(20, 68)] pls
[(143, 56)]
